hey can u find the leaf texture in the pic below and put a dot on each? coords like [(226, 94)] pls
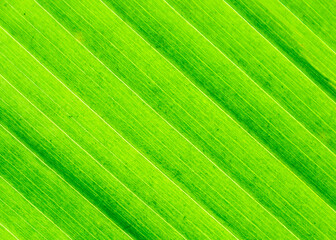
[(167, 119)]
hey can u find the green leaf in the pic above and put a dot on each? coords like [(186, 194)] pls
[(167, 119)]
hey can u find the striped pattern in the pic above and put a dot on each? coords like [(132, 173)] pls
[(167, 119)]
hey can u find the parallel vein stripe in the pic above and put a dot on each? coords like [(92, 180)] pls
[(325, 8), (21, 117), (327, 95), (28, 148), (245, 131), (253, 81), (34, 205), (92, 157), (16, 179), (152, 135), (175, 129), (111, 126), (228, 116), (18, 171), (105, 146), (93, 136), (251, 136), (132, 171), (307, 27), (31, 181), (270, 72), (173, 100), (103, 119), (23, 219), (8, 231), (255, 109), (256, 140), (318, 60), (171, 125), (264, 92), (66, 182)]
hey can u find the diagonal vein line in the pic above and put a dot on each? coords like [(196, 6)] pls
[(66, 182), (175, 129), (107, 148), (167, 122), (307, 27), (115, 130), (39, 189), (231, 119), (141, 125), (131, 170), (102, 143), (196, 120), (24, 219), (265, 93), (33, 183), (28, 179), (270, 72), (219, 108), (257, 111), (171, 125), (327, 95), (297, 69), (325, 8), (110, 125), (279, 104), (224, 113), (8, 231), (20, 116), (328, 9), (90, 155), (75, 141), (251, 79), (34, 205), (318, 60)]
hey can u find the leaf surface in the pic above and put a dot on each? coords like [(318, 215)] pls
[(166, 120)]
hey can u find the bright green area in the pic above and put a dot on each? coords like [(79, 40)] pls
[(165, 120), (6, 234), (21, 216), (318, 16), (36, 201), (296, 38)]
